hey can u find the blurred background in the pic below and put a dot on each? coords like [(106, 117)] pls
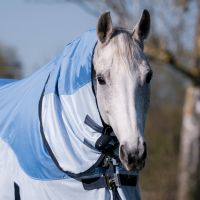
[(33, 31)]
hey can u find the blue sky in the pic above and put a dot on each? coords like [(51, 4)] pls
[(37, 31)]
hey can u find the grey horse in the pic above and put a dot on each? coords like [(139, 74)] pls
[(48, 148)]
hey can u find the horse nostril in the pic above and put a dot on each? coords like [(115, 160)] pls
[(144, 155), (123, 153), (128, 156), (133, 158)]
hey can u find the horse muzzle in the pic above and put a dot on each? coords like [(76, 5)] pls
[(133, 159)]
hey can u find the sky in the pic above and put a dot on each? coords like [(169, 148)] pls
[(38, 31)]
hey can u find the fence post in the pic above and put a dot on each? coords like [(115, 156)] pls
[(189, 173)]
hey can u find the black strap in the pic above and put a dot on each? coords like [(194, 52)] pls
[(107, 142), (105, 181), (115, 193), (111, 180), (94, 183), (17, 191), (92, 124), (105, 130)]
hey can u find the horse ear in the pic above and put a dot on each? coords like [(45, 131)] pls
[(141, 29), (104, 27)]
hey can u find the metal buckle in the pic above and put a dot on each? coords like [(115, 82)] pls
[(113, 182)]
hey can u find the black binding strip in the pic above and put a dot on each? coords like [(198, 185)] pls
[(72, 175), (93, 89), (92, 124), (17, 191)]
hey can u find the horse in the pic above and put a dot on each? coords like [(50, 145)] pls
[(75, 128)]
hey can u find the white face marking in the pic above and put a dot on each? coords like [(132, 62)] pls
[(122, 92)]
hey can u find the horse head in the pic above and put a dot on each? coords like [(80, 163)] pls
[(121, 78)]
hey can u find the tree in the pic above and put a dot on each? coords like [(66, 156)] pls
[(189, 178), (10, 66)]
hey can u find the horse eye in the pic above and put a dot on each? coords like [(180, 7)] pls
[(101, 80), (149, 76)]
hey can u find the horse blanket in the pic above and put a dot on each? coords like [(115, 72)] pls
[(43, 137)]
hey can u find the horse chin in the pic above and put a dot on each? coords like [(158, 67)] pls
[(134, 167)]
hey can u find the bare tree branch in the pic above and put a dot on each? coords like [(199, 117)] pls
[(165, 56)]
